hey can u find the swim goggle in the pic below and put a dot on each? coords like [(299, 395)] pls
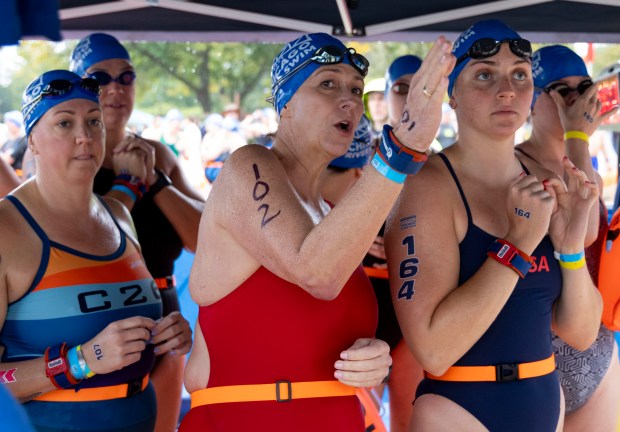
[(564, 89), (487, 47), (400, 88), (325, 56), (104, 78), (61, 87)]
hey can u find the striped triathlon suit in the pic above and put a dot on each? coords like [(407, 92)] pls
[(73, 297), (520, 333), (285, 334), (581, 372)]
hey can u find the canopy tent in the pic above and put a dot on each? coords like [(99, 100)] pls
[(279, 20)]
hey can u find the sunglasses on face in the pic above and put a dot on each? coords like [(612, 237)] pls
[(400, 88), (104, 78), (487, 47), (61, 87), (564, 90), (327, 55)]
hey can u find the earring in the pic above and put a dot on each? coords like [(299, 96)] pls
[(452, 103)]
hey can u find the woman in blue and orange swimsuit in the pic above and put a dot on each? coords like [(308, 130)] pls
[(471, 249), (166, 217), (287, 315), (81, 316)]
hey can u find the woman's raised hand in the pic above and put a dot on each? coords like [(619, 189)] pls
[(422, 112), (529, 208), (582, 113), (574, 200)]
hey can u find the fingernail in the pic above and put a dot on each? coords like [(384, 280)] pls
[(339, 365), (157, 350), (575, 169), (344, 355), (153, 332), (338, 374), (173, 352)]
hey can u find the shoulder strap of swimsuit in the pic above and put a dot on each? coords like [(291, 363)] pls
[(45, 254), (519, 149), (444, 158)]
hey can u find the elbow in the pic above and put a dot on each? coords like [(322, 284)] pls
[(433, 364), (585, 341), (191, 246), (320, 286), (436, 368)]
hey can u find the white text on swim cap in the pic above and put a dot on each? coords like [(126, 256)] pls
[(293, 53)]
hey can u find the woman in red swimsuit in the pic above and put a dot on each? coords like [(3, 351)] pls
[(287, 315)]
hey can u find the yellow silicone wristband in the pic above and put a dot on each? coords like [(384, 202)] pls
[(576, 134), (573, 265)]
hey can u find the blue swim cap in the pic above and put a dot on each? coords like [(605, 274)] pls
[(360, 150), (554, 62), (33, 111), (407, 64), (493, 29), (95, 48), (291, 56)]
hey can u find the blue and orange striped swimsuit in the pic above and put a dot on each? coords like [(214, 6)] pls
[(73, 297)]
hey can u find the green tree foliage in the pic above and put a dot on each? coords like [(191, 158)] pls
[(205, 75), (28, 61), (382, 54)]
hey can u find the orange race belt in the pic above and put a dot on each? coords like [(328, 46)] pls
[(96, 393), (280, 391), (377, 273), (500, 373), (165, 282)]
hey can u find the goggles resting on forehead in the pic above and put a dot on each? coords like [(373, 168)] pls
[(60, 87), (103, 78), (487, 47), (325, 56), (564, 89)]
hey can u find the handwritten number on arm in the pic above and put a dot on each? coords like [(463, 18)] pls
[(260, 191)]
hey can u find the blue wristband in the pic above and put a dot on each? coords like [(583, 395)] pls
[(125, 190), (569, 257), (384, 169), (397, 157), (74, 364)]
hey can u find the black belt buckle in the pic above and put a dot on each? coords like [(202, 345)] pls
[(290, 391), (506, 372), (134, 387)]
